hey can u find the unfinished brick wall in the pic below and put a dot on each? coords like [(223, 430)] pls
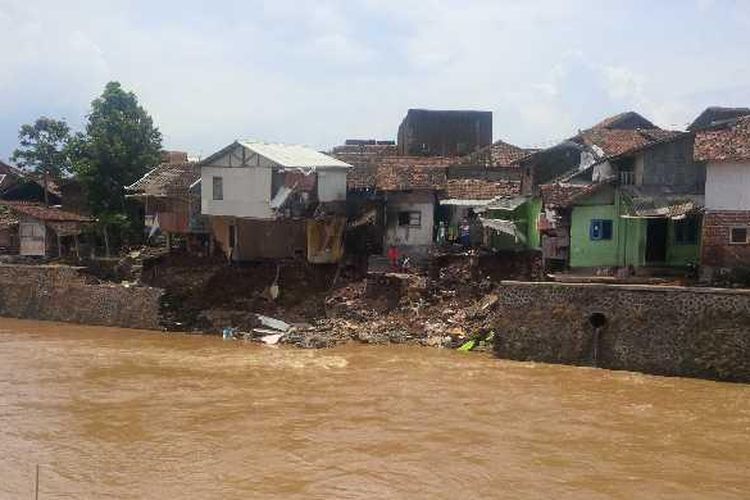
[(695, 332), (717, 251), (62, 293)]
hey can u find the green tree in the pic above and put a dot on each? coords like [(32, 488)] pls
[(43, 149), (120, 144)]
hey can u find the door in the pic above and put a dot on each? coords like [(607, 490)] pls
[(656, 240)]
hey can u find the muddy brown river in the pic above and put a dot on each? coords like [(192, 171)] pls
[(113, 413)]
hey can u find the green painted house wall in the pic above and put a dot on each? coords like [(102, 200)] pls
[(583, 251), (533, 209), (680, 254), (629, 235), (526, 218), (632, 242)]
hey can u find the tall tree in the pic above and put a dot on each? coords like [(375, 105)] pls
[(120, 145), (43, 149)]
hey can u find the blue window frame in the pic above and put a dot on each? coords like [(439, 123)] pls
[(600, 229)]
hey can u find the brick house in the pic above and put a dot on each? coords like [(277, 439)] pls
[(725, 150)]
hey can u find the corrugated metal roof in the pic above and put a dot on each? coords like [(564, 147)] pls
[(508, 203), (657, 205), (465, 203), (294, 156)]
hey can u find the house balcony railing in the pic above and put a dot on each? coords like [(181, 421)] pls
[(627, 178)]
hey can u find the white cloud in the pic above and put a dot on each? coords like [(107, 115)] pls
[(317, 72)]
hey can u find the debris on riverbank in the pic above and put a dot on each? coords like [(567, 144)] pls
[(447, 305)]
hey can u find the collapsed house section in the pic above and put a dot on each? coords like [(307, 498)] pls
[(272, 201), (171, 197)]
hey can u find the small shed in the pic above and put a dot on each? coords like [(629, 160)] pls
[(36, 230)]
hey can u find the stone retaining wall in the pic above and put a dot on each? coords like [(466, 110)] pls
[(696, 332), (62, 293)]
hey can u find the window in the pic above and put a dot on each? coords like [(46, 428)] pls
[(411, 219), (218, 188), (738, 235), (626, 168), (600, 229), (686, 231)]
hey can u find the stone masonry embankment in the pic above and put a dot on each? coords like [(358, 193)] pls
[(62, 293), (681, 331)]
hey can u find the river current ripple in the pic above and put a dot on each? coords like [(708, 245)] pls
[(111, 413)]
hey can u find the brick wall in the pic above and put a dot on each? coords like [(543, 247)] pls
[(696, 332), (62, 293), (717, 251)]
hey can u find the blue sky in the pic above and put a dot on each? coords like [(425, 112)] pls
[(318, 72)]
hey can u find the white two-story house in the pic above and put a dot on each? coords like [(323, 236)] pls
[(271, 201)]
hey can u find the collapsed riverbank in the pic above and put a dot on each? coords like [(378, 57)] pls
[(453, 301), (446, 303)]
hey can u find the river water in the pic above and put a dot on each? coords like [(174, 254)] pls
[(128, 414)]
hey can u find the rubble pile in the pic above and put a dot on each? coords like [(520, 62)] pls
[(446, 306)]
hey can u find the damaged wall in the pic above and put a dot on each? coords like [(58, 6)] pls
[(400, 233), (694, 332), (259, 239), (331, 185)]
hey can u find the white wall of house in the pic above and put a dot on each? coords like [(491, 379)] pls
[(246, 192), (409, 235), (602, 171), (332, 185), (728, 186), (246, 183)]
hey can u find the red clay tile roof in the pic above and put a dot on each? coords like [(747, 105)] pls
[(479, 189), (499, 154), (170, 180), (361, 176), (615, 142), (629, 120), (563, 194), (410, 177), (727, 144), (399, 173), (362, 154), (40, 212)]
